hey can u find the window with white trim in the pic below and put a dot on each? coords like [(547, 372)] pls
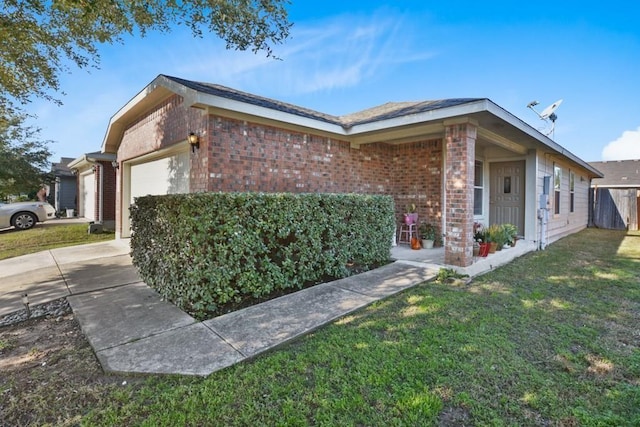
[(572, 191), (478, 190), (557, 180)]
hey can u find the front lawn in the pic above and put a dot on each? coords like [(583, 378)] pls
[(46, 236), (553, 338)]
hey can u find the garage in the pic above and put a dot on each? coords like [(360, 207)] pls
[(168, 174), (88, 195)]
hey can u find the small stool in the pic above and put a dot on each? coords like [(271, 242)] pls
[(407, 232)]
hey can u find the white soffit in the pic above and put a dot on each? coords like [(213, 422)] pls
[(218, 102)]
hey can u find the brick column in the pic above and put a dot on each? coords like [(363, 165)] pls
[(460, 140)]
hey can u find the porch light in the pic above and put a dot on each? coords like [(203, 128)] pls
[(115, 164), (194, 141)]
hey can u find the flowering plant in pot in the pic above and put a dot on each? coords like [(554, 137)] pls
[(479, 233), (480, 239)]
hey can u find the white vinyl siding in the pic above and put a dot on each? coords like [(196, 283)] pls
[(565, 222)]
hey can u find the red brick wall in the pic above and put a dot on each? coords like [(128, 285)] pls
[(166, 124), (108, 192), (243, 156), (237, 155), (104, 191), (251, 157), (459, 171), (417, 178)]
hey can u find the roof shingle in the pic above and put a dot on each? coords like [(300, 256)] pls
[(386, 111), (617, 173)]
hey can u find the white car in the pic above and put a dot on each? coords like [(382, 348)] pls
[(24, 215)]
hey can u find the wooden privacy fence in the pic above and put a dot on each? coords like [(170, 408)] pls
[(616, 208)]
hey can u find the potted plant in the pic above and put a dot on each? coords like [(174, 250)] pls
[(480, 240), (428, 233), (501, 237), (411, 216), (493, 236), (511, 234)]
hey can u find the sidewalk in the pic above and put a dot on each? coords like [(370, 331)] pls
[(132, 330), (48, 275)]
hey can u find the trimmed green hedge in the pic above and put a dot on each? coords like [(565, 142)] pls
[(204, 250)]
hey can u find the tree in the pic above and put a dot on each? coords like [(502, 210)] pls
[(23, 157), (39, 37)]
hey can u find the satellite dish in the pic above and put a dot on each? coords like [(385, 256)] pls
[(548, 112)]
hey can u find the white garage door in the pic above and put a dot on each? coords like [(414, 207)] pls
[(169, 175), (88, 202)]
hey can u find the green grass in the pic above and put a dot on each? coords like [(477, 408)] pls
[(553, 338), (15, 243)]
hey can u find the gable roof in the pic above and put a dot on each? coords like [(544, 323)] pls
[(61, 168), (88, 159), (390, 122), (392, 110), (617, 173), (386, 111)]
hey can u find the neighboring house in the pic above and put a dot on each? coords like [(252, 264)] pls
[(96, 176), (616, 196), (458, 160), (65, 186)]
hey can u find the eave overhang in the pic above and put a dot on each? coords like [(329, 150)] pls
[(496, 125)]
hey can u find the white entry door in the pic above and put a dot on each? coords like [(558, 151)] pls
[(507, 194)]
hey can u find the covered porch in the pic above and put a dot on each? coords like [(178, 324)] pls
[(435, 258)]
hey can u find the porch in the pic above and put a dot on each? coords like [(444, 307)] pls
[(435, 257)]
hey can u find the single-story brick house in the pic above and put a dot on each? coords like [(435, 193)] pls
[(458, 160), (616, 196), (96, 184)]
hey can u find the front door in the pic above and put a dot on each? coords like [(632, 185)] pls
[(507, 194)]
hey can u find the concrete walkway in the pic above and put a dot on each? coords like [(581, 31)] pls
[(132, 330)]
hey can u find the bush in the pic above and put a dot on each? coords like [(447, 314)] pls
[(206, 250)]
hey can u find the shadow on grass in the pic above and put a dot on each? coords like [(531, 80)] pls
[(550, 339), (535, 341)]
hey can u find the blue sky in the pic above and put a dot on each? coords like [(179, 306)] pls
[(343, 57)]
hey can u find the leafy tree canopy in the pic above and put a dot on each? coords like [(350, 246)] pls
[(38, 37), (23, 156)]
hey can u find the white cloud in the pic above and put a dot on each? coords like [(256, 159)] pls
[(626, 147), (335, 53)]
